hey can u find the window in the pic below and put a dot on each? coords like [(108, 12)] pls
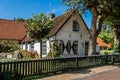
[(44, 47), (75, 26), (26, 47), (75, 47), (32, 46), (21, 46), (62, 46), (86, 48)]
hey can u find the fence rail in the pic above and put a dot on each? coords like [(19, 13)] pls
[(14, 70)]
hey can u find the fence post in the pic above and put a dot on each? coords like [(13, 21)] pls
[(77, 63), (0, 71), (106, 59), (95, 60), (112, 58)]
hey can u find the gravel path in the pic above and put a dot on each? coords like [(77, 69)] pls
[(110, 72)]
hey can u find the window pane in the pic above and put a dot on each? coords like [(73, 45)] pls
[(75, 26), (75, 47)]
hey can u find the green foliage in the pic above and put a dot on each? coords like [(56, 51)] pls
[(20, 19), (104, 52), (39, 26), (28, 55), (54, 51), (8, 46), (116, 48), (107, 36), (10, 75), (101, 6)]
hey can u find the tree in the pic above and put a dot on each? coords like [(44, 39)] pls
[(19, 19), (100, 9), (107, 36), (38, 27), (114, 21)]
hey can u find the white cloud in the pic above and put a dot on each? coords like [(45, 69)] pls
[(54, 10)]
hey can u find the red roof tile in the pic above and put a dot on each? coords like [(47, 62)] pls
[(27, 39), (12, 30)]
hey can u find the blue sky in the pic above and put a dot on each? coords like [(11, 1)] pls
[(10, 9)]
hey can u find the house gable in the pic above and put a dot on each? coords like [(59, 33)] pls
[(66, 31), (60, 21), (69, 37)]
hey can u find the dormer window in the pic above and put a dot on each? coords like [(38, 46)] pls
[(75, 26)]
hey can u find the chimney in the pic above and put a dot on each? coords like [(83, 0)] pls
[(52, 15)]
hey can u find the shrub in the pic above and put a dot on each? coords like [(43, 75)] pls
[(116, 48), (8, 46), (27, 54), (54, 51), (103, 52)]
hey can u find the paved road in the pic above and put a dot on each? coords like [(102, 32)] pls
[(108, 75), (110, 72)]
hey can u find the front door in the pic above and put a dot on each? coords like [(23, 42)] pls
[(86, 48)]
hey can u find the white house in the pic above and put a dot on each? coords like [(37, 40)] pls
[(69, 30)]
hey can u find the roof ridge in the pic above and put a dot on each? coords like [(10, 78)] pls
[(11, 20), (64, 19)]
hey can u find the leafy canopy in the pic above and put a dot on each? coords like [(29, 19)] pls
[(107, 36), (39, 26), (100, 6), (19, 19)]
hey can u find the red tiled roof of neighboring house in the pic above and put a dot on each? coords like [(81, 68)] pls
[(12, 30), (101, 43)]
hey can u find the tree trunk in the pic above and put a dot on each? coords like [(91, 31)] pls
[(41, 49), (117, 35), (92, 43), (100, 23)]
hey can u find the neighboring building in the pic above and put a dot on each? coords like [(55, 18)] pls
[(70, 31), (11, 30), (102, 45)]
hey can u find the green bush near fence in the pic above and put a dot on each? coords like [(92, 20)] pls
[(28, 55), (104, 52), (8, 46), (116, 48), (10, 76), (54, 51)]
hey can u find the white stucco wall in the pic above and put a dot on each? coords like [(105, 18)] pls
[(97, 48), (37, 47)]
